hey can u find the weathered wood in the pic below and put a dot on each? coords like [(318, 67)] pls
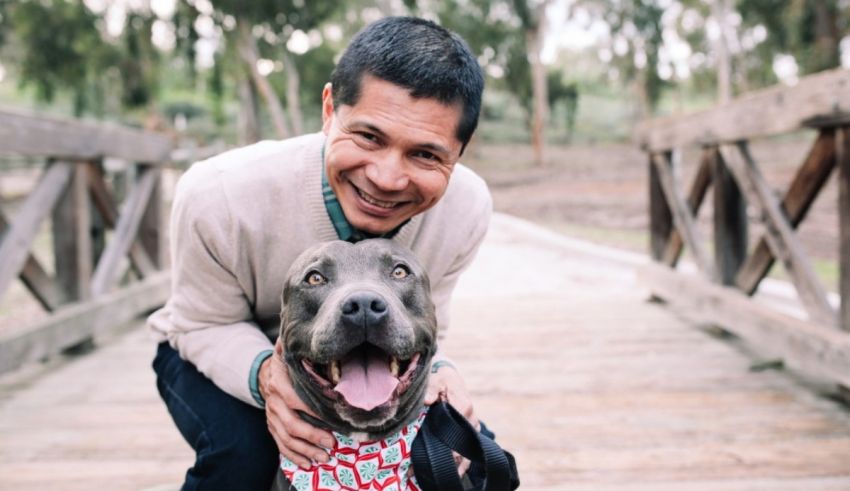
[(779, 234), (817, 349), (805, 186), (40, 136), (771, 111), (139, 258), (843, 159), (683, 216), (74, 323), (660, 217), (36, 279), (696, 196), (15, 246), (152, 227), (730, 222), (72, 241), (126, 230)]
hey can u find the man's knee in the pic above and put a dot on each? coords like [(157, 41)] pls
[(244, 459)]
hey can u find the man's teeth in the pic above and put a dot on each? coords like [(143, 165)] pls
[(335, 372), (394, 366), (376, 202)]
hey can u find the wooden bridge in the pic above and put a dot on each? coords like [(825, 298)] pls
[(591, 385)]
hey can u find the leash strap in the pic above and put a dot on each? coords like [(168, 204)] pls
[(445, 430)]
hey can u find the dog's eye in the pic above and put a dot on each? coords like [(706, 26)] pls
[(400, 272), (315, 278)]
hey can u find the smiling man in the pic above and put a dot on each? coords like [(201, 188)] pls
[(402, 104)]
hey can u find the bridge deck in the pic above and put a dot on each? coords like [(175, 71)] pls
[(590, 386)]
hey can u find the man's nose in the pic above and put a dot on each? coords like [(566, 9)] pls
[(388, 172)]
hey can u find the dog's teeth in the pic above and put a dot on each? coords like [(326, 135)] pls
[(335, 372), (394, 366)]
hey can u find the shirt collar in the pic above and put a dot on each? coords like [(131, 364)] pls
[(344, 230)]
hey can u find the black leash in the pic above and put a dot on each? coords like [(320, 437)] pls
[(445, 430)]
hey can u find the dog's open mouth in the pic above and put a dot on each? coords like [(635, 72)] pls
[(366, 377)]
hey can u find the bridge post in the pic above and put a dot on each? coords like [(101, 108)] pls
[(660, 215), (843, 161), (730, 222)]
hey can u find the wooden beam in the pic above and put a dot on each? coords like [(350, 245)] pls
[(683, 216), (805, 186), (70, 325), (660, 217), (779, 233), (730, 222), (72, 241), (40, 136), (102, 199), (36, 279), (770, 111), (151, 230), (696, 196), (106, 272), (14, 249), (843, 159), (808, 346)]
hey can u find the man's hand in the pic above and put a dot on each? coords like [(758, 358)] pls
[(446, 383), (297, 440)]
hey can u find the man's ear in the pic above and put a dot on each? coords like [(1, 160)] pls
[(327, 108)]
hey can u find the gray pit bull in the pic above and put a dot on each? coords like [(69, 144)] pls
[(359, 330)]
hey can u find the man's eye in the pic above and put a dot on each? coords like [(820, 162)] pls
[(425, 155), (400, 272), (315, 278), (368, 136)]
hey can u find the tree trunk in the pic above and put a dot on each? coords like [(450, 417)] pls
[(826, 48), (293, 84), (720, 9), (248, 121), (534, 39), (248, 51)]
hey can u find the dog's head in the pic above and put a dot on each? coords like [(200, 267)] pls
[(359, 330)]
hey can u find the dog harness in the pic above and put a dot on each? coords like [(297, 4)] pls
[(373, 466)]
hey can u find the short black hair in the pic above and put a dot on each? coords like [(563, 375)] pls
[(416, 54)]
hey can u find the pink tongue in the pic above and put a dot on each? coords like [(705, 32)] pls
[(368, 385)]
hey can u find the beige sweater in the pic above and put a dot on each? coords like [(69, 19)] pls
[(240, 219)]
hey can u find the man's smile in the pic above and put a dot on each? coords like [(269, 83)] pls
[(371, 200)]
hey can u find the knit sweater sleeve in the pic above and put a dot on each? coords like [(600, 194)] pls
[(480, 209), (207, 318)]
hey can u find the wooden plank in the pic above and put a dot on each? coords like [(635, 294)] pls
[(106, 272), (102, 199), (770, 111), (152, 227), (36, 279), (696, 196), (683, 217), (660, 217), (817, 349), (40, 136), (72, 241), (17, 240), (779, 234), (730, 222), (843, 159), (74, 323), (805, 186)]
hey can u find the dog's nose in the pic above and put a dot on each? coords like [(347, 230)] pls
[(364, 310)]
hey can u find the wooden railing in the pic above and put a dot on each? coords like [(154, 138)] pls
[(818, 343), (106, 231)]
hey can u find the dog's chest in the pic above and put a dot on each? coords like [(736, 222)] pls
[(380, 465)]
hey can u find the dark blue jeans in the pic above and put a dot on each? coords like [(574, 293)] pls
[(233, 446)]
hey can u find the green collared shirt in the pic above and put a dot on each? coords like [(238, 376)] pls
[(344, 230)]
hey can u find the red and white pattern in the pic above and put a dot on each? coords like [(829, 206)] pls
[(373, 466)]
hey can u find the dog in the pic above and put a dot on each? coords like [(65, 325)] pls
[(359, 330)]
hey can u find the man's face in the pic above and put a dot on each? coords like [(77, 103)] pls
[(389, 156)]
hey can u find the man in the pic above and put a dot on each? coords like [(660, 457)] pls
[(402, 104)]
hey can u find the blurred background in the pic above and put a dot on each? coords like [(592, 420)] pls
[(567, 80)]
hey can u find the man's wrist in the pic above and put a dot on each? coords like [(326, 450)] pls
[(254, 377), (443, 362)]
